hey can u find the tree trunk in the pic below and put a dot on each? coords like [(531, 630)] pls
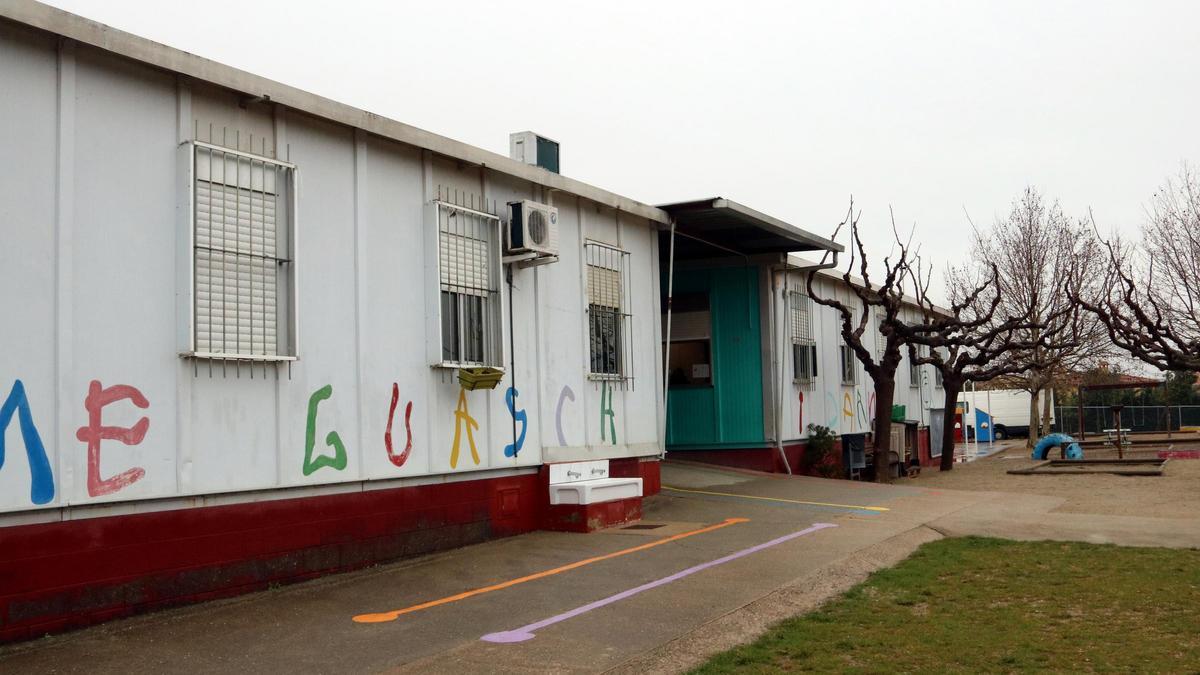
[(885, 393), (952, 388), (1035, 424), (1045, 412)]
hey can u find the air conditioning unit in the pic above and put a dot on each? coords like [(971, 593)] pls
[(532, 228)]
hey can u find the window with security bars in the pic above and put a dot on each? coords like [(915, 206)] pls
[(242, 255), (849, 371), (609, 320), (847, 360), (468, 272), (804, 346)]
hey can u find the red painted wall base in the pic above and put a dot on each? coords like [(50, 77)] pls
[(592, 517), (755, 459), (74, 573), (768, 459), (763, 459), (633, 467)]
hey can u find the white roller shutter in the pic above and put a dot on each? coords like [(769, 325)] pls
[(604, 287), (237, 262), (464, 246)]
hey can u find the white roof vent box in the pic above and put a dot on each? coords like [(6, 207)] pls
[(531, 148), (532, 228)]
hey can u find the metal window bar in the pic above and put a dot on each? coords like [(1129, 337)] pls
[(468, 252), (241, 254), (610, 320), (801, 313), (847, 364), (803, 344), (804, 356), (847, 359)]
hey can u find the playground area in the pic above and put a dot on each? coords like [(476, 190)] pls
[(1174, 494)]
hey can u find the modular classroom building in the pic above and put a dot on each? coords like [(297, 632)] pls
[(245, 329)]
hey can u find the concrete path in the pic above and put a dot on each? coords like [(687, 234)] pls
[(718, 557)]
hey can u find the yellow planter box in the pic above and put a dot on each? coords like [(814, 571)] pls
[(484, 377)]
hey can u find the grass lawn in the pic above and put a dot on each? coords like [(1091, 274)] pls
[(974, 604)]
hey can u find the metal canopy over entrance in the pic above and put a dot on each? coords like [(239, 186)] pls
[(719, 377), (718, 226)]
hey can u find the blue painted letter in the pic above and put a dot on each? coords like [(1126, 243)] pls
[(41, 488), (510, 399)]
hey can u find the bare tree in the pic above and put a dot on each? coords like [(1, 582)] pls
[(884, 303), (1038, 252), (1157, 321), (968, 342)]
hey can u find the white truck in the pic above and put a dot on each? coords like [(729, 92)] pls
[(1008, 409)]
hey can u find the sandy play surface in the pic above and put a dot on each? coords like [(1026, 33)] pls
[(1175, 494)]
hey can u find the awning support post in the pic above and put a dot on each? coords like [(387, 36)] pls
[(667, 339)]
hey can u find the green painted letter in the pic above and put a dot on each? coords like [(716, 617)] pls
[(311, 464), (606, 410)]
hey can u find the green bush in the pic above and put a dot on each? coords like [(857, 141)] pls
[(819, 454)]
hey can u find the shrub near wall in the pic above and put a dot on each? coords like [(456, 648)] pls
[(821, 457)]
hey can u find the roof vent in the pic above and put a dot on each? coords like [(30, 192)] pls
[(528, 147)]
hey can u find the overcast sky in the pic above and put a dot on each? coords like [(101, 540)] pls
[(786, 107)]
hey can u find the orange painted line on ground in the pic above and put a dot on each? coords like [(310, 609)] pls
[(395, 614)]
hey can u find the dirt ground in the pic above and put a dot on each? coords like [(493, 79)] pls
[(1175, 494)]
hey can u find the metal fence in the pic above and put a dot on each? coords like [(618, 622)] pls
[(1134, 417)]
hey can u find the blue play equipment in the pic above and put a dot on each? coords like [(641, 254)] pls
[(1072, 449), (983, 426)]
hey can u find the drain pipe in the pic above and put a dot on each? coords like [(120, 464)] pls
[(777, 367), (778, 392), (667, 355)]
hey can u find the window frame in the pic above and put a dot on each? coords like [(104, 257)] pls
[(287, 330), (804, 352), (491, 319), (802, 339), (847, 360), (914, 370), (848, 363), (621, 316), (684, 332)]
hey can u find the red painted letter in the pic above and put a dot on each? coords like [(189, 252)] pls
[(94, 432), (401, 458)]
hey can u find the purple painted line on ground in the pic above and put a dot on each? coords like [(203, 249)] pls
[(526, 632)]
